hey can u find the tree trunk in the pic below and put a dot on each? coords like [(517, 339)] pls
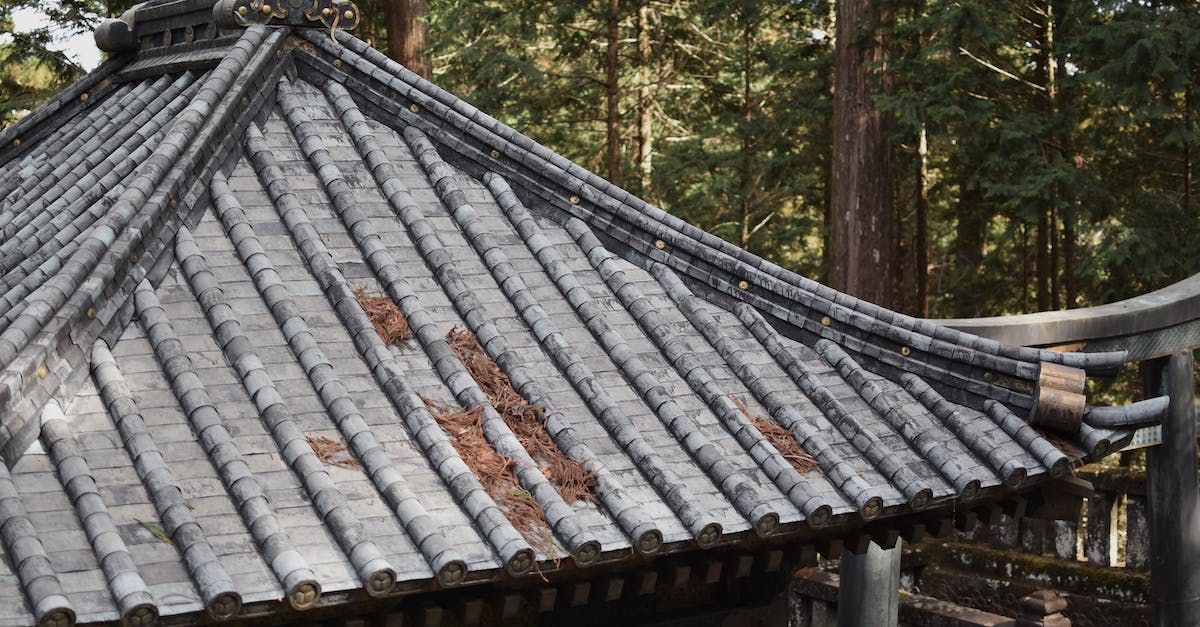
[(1187, 151), (1064, 108), (646, 93), (1045, 224), (861, 229), (746, 156), (1042, 260), (970, 238), (408, 33), (1055, 287), (1024, 268), (612, 114), (922, 235)]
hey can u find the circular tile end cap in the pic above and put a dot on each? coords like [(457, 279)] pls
[(709, 535), (380, 583), (225, 606), (520, 563), (452, 573), (142, 615), (587, 553), (820, 516), (649, 542), (304, 595)]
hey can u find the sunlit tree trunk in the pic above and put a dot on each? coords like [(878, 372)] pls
[(646, 93), (861, 211), (922, 236), (612, 113)]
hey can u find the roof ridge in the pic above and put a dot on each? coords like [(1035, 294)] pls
[(890, 341), (47, 343)]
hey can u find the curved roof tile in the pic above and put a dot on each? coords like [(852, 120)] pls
[(188, 234)]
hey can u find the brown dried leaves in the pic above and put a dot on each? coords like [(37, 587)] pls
[(781, 439), (527, 421), (332, 452), (495, 471), (386, 317)]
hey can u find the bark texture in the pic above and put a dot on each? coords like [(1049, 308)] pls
[(408, 34), (862, 217)]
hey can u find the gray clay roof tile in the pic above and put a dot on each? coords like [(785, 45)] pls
[(199, 412)]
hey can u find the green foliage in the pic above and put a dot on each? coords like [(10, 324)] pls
[(30, 69), (1088, 127)]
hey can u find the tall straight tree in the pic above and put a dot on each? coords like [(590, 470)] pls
[(408, 34), (861, 214)]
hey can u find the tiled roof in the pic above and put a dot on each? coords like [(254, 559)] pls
[(197, 412)]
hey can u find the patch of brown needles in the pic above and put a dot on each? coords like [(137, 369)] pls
[(331, 452), (495, 471), (527, 421), (781, 439), (386, 317)]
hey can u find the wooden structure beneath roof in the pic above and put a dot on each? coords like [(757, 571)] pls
[(1160, 331)]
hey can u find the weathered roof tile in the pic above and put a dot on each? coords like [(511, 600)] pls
[(246, 434)]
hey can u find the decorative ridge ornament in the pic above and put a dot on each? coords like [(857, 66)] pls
[(122, 34), (332, 14), (1059, 401)]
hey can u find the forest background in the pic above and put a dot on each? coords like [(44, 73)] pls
[(979, 157)]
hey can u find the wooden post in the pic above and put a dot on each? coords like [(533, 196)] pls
[(1101, 545), (1174, 497), (869, 594), (1043, 609)]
